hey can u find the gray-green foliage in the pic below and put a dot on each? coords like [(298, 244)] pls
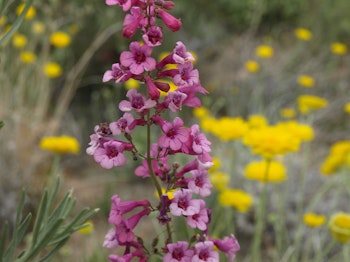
[(53, 226)]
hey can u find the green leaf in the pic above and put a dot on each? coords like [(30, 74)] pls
[(40, 217), (2, 124), (3, 238)]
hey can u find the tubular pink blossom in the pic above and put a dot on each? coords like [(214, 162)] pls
[(171, 22)]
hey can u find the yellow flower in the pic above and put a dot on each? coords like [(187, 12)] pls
[(303, 34), (19, 40), (169, 193), (87, 229), (38, 28), (132, 83), (60, 144), (314, 220), (219, 180), (308, 103), (30, 13), (236, 198), (52, 70), (172, 88), (252, 66), (264, 51), (257, 121), (200, 112), (339, 48), (339, 225), (266, 171), (208, 123), (301, 131), (347, 108), (337, 157), (270, 141), (287, 112), (228, 128), (60, 39), (27, 57), (306, 81)]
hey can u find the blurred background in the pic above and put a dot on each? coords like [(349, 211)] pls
[(51, 83)]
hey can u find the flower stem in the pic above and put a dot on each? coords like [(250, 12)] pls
[(260, 217)]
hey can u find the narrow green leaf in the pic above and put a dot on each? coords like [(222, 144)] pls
[(40, 217), (22, 229), (3, 239), (16, 24), (55, 250), (62, 205)]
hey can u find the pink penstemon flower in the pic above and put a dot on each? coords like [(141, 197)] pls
[(143, 111)]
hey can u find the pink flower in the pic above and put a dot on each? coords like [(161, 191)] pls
[(174, 135), (110, 241), (180, 54), (154, 36), (178, 252), (152, 89), (183, 204), (125, 4), (138, 102), (127, 257), (138, 59), (171, 22), (228, 245), (204, 252), (200, 219), (199, 141), (174, 100), (124, 125), (118, 74), (187, 76), (132, 22), (119, 208), (200, 183), (110, 154)]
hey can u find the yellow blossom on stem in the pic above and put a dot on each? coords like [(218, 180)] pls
[(264, 51), (229, 128), (301, 131), (169, 193), (52, 70), (339, 225), (337, 157), (252, 66), (309, 103), (219, 180), (200, 112), (60, 39), (27, 57), (257, 121), (87, 229), (270, 141), (314, 220), (303, 34), (287, 112), (60, 144), (236, 198), (19, 40), (306, 81), (266, 171), (216, 164), (339, 48), (132, 83), (30, 13), (347, 108)]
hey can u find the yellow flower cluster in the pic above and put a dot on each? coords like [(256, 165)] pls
[(252, 66), (314, 220), (309, 103), (339, 48), (257, 121), (219, 180), (266, 171), (60, 39), (52, 69), (303, 34), (27, 57), (264, 51), (236, 198), (347, 108), (270, 141), (87, 229), (30, 13), (60, 144), (339, 225), (338, 156), (288, 112), (306, 81)]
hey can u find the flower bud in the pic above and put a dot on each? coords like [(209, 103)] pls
[(171, 22)]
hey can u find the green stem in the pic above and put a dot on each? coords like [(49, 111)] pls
[(327, 250), (54, 170), (346, 253), (153, 176), (260, 217)]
